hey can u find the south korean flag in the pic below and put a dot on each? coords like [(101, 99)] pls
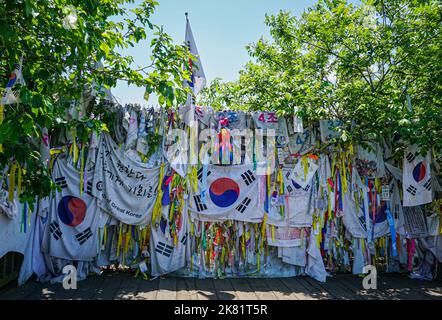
[(166, 255), (72, 228), (298, 204), (231, 194), (416, 178)]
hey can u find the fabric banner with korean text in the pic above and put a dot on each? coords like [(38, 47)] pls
[(125, 188), (285, 236)]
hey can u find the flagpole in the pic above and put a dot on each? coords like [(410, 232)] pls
[(192, 125), (188, 46)]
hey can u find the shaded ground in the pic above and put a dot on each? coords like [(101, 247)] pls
[(126, 286)]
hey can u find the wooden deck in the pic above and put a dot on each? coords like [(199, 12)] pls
[(125, 286)]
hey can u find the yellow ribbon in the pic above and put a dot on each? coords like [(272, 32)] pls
[(243, 245), (263, 227), (74, 145), (82, 170), (19, 180), (192, 229), (157, 209), (305, 165), (344, 175), (281, 181), (194, 179), (127, 239), (12, 182), (329, 210), (104, 237), (120, 239)]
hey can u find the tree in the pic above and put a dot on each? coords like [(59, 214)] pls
[(62, 42), (222, 95), (360, 64)]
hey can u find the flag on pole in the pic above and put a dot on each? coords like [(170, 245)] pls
[(197, 83), (198, 78)]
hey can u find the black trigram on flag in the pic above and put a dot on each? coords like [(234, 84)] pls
[(200, 174), (200, 206), (164, 249), (307, 188), (61, 182), (89, 188), (243, 205), (54, 228), (83, 236), (287, 175), (362, 222), (427, 185), (412, 190), (289, 189), (184, 239), (410, 157), (248, 177)]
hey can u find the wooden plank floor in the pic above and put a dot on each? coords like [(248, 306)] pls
[(124, 286)]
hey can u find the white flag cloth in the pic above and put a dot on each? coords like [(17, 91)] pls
[(315, 265), (142, 145), (45, 149), (298, 204), (266, 120), (10, 237), (303, 176), (166, 256), (395, 172), (416, 178), (71, 231), (297, 124), (9, 95), (284, 236), (231, 194), (396, 209), (370, 163), (297, 121), (302, 143), (126, 189), (329, 129), (132, 131), (198, 78), (359, 260), (235, 119), (34, 259), (353, 218), (8, 208), (282, 134), (203, 114), (295, 255)]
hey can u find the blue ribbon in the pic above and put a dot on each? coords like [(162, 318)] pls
[(25, 216), (204, 184), (392, 230)]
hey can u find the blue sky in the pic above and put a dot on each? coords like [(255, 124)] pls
[(222, 29)]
